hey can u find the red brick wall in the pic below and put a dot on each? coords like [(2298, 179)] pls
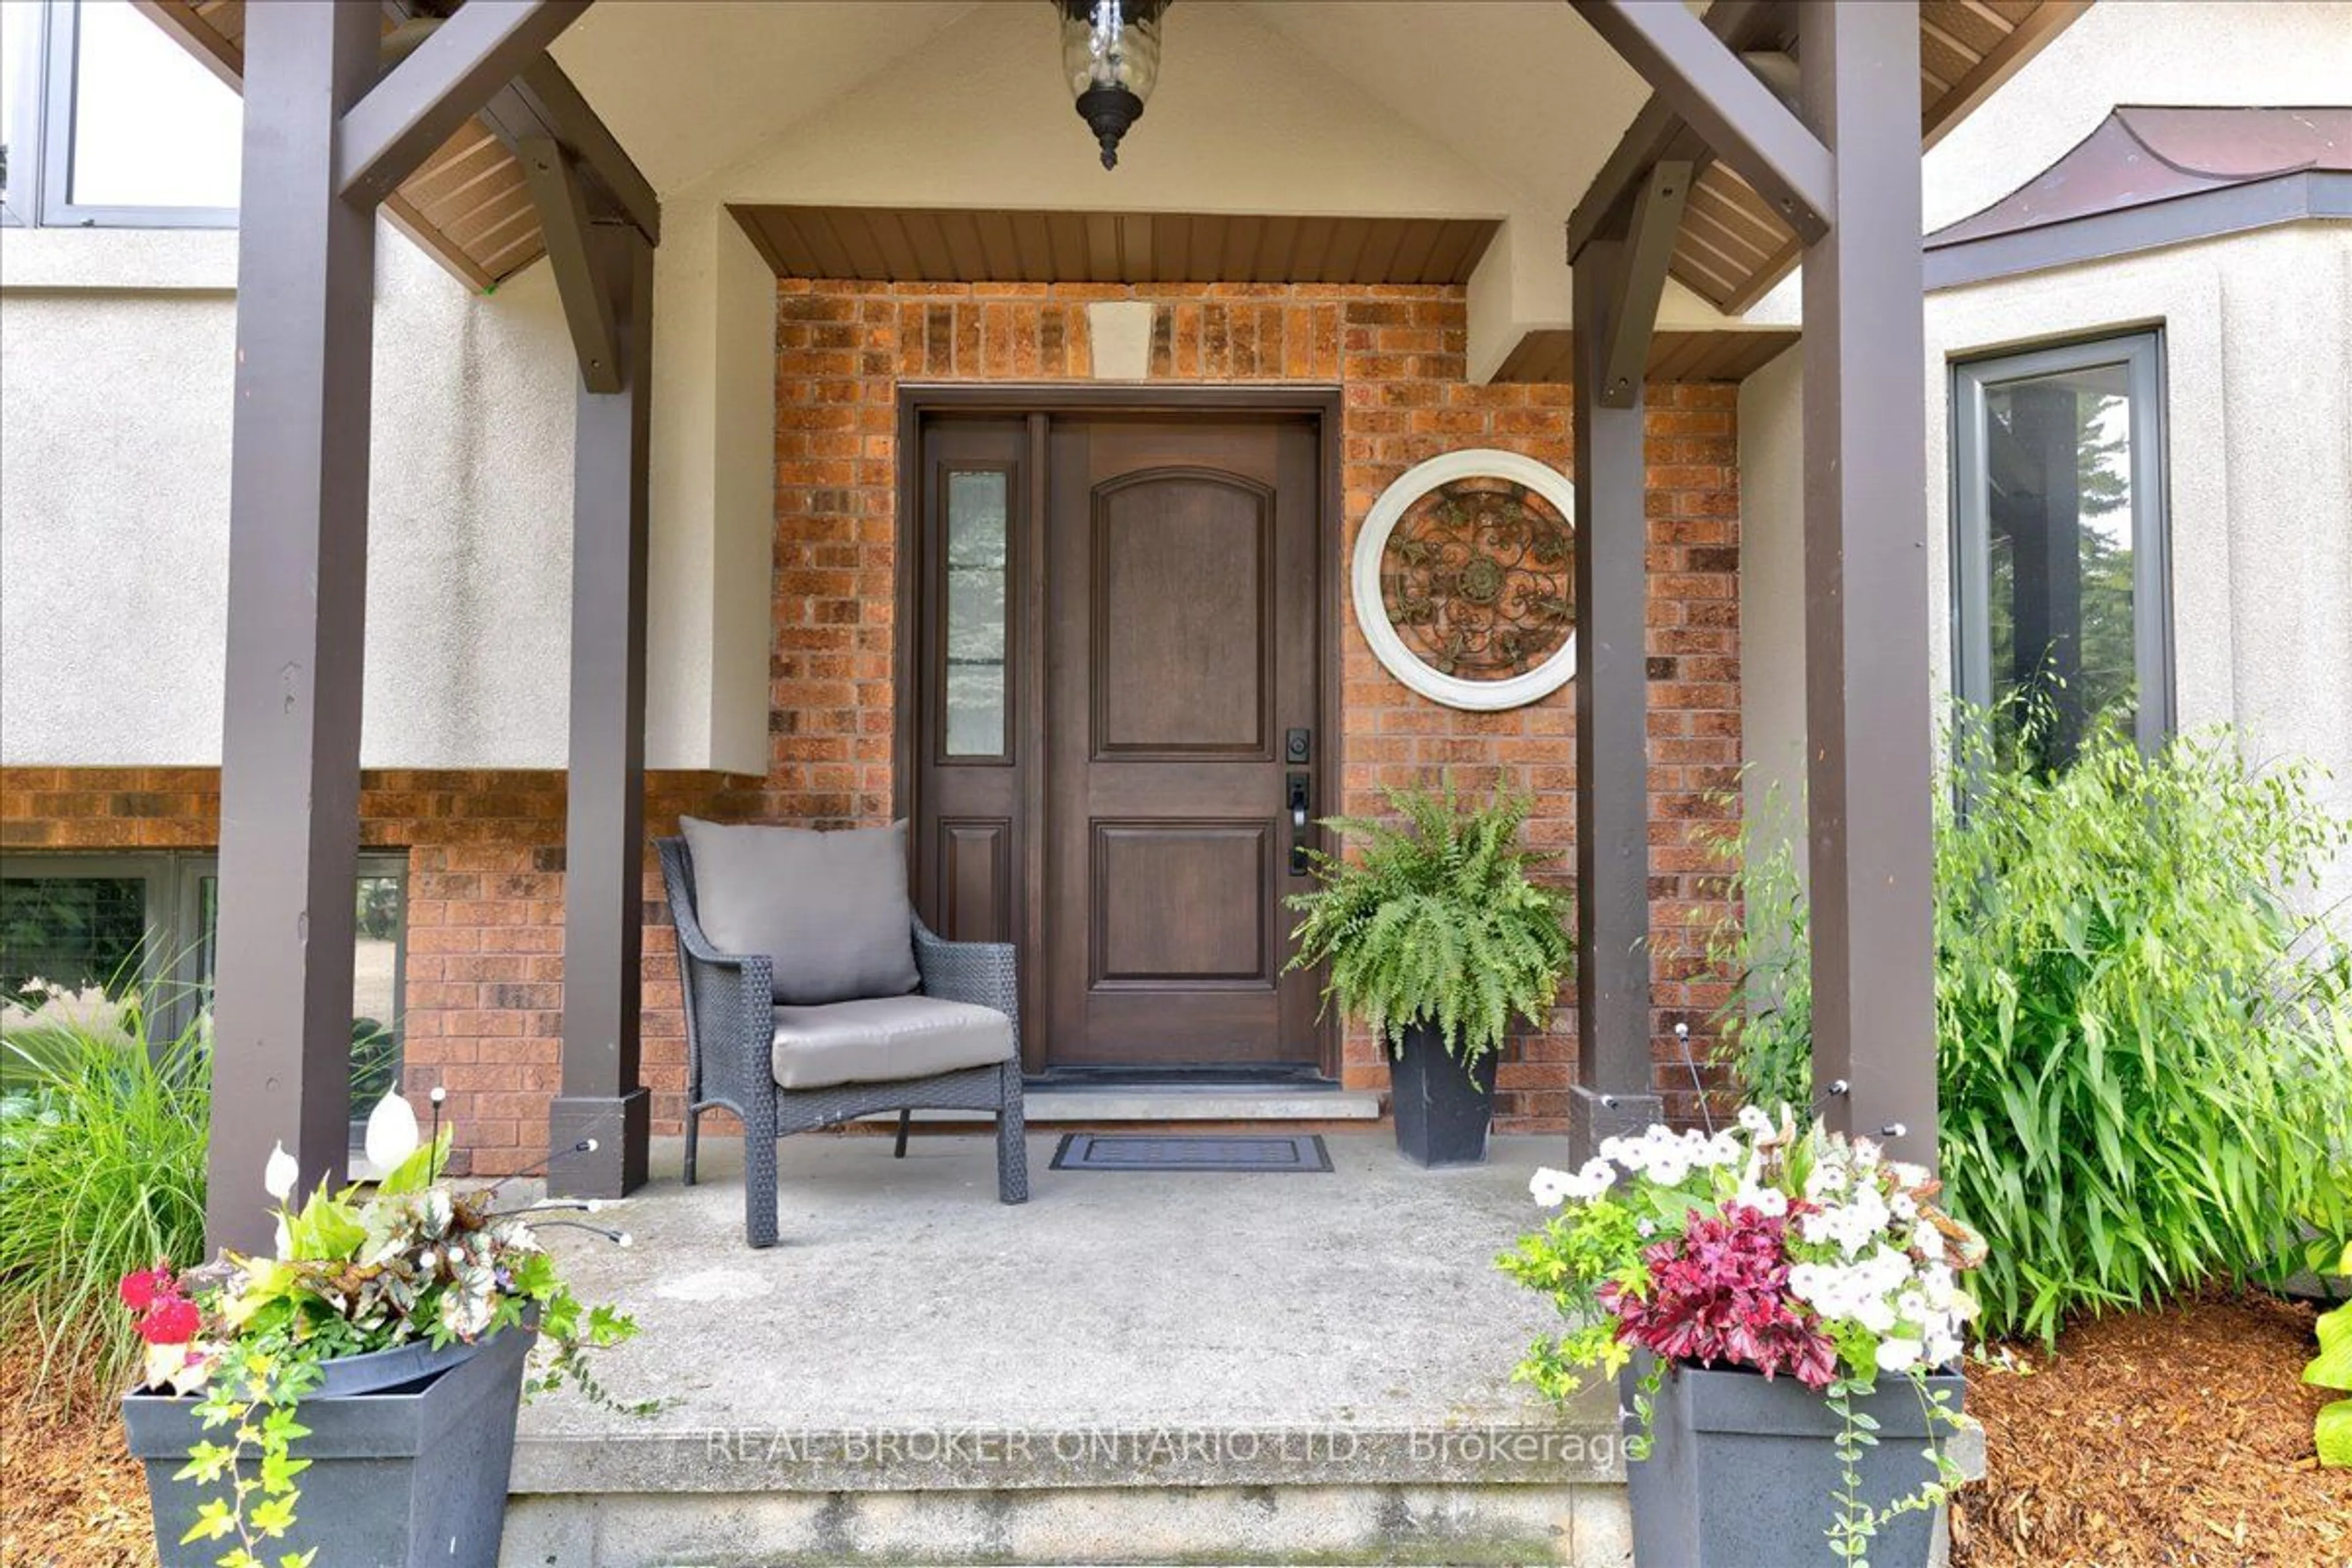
[(485, 968), (1398, 355), (484, 1010)]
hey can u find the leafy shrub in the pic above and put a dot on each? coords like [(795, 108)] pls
[(2144, 1063), (1434, 921), (102, 1139)]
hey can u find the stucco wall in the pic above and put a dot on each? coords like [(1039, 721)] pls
[(117, 351), (2258, 403)]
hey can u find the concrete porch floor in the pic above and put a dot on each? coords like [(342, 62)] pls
[(1132, 1367)]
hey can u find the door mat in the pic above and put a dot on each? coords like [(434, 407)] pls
[(1192, 1151)]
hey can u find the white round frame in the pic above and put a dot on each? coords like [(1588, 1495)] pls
[(1371, 610)]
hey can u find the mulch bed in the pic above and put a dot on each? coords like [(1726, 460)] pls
[(2178, 1438), (2173, 1440), (70, 1497)]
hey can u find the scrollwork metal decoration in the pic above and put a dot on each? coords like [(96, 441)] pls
[(1464, 579)]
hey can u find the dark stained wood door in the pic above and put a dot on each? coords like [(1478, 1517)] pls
[(1181, 649), (1115, 692)]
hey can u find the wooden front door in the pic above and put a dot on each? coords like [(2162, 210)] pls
[(1118, 719)]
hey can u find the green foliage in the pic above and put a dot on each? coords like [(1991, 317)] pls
[(101, 1172), (2332, 1368), (2144, 1050), (1434, 921)]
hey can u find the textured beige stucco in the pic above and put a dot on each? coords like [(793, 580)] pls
[(2258, 401), (115, 507)]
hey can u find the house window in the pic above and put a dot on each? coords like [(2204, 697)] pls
[(2060, 578), (98, 927), (105, 122)]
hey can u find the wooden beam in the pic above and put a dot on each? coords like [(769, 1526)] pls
[(1868, 697), (297, 619), (604, 883), (570, 252), (542, 102), (1715, 93), (1658, 134), (188, 28), (1641, 284), (449, 78), (1616, 1090)]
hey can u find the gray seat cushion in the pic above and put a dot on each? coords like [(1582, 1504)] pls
[(829, 910), (886, 1040)]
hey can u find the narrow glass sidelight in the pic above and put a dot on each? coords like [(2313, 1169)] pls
[(974, 640), (2061, 579)]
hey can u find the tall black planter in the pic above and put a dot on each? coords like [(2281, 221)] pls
[(409, 1451), (1442, 1111), (1742, 1471)]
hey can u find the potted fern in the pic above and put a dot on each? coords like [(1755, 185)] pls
[(1435, 937)]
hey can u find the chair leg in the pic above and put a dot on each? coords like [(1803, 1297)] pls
[(905, 1119), (1012, 1139), (693, 1135), (759, 1170)]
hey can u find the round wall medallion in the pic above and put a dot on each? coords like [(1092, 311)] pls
[(1464, 580)]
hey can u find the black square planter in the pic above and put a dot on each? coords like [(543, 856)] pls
[(410, 1475), (1442, 1109), (1743, 1470)]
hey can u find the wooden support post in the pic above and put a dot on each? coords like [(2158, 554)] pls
[(1615, 1089), (296, 616), (555, 190), (1867, 696), (603, 885)]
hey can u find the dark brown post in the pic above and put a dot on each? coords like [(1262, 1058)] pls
[(603, 891), (297, 611), (1615, 1088), (1867, 700)]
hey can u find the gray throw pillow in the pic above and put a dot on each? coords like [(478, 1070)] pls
[(830, 908)]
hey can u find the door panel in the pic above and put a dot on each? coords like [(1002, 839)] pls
[(1183, 598), (1149, 877), (1180, 641), (1118, 635)]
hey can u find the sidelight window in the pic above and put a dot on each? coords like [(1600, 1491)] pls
[(978, 565)]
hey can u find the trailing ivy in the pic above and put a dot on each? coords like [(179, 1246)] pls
[(2144, 1054)]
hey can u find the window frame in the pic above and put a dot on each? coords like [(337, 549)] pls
[(40, 191), (172, 952), (20, 203), (2140, 351)]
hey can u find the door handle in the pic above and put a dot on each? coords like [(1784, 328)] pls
[(1302, 834)]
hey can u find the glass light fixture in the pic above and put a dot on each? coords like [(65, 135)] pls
[(1110, 59)]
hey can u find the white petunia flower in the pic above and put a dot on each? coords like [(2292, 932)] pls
[(1898, 1355), (1549, 1187)]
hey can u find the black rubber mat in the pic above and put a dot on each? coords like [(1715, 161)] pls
[(1192, 1151)]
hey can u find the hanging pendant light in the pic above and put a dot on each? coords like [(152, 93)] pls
[(1110, 57)]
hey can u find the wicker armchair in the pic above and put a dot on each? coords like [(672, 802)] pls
[(730, 1029)]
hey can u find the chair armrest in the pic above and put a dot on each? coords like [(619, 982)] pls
[(978, 972)]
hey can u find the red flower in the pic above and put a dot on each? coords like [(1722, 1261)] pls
[(1720, 1292), (171, 1321), (140, 1289)]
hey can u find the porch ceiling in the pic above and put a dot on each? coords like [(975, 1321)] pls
[(1732, 247), (470, 209), (940, 245), (1722, 355)]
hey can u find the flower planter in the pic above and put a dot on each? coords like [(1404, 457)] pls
[(1743, 1470), (409, 1452), (1443, 1113)]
